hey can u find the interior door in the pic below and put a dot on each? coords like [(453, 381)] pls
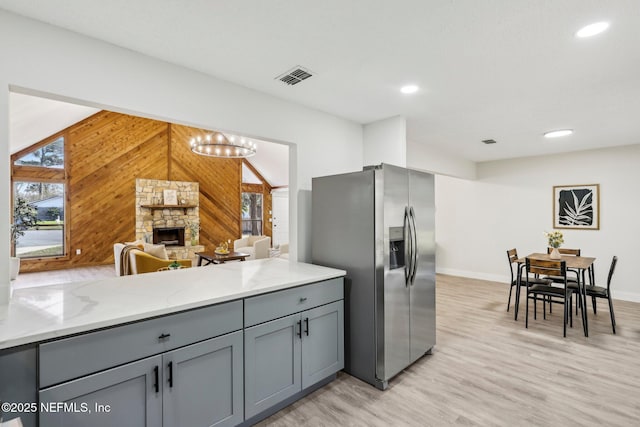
[(423, 287), (280, 217), (394, 317)]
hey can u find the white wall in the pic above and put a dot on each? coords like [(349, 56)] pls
[(47, 60), (510, 205), (385, 141), (429, 159)]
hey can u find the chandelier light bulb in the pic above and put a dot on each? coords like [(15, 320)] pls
[(217, 144)]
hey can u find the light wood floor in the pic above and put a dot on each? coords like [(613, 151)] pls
[(488, 370)]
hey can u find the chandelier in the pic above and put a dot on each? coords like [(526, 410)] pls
[(216, 144)]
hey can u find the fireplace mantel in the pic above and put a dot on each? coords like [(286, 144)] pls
[(183, 207)]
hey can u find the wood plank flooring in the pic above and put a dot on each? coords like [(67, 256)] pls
[(488, 370)]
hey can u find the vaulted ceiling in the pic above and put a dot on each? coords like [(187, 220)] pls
[(509, 70)]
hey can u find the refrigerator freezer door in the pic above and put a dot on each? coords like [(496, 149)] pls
[(343, 237), (423, 290), (393, 311)]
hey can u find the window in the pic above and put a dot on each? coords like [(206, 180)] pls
[(251, 214), (48, 156), (47, 237), (39, 184)]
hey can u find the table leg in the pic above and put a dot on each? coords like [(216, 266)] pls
[(582, 287)]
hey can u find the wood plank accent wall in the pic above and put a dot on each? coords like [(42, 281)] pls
[(105, 153), (220, 179)]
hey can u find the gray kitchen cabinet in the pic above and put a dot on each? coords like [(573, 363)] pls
[(200, 385), (203, 383), (287, 355), (272, 363), (129, 395), (322, 342)]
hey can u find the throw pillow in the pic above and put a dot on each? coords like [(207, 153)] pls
[(158, 251)]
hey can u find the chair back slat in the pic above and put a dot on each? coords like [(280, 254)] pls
[(513, 255), (546, 267)]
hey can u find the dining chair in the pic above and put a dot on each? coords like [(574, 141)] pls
[(548, 293), (569, 252), (512, 255), (595, 291)]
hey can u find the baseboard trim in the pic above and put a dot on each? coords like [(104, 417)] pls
[(619, 295), (474, 275), (625, 296)]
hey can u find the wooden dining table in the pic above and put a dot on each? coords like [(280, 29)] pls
[(582, 264)]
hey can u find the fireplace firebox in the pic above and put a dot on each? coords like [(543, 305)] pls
[(168, 236)]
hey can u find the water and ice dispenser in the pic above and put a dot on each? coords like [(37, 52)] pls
[(396, 247)]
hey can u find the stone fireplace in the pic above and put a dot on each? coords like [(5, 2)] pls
[(168, 224)]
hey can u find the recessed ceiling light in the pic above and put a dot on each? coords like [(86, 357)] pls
[(592, 29), (409, 89), (558, 133)]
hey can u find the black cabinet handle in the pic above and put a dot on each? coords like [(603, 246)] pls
[(156, 374), (303, 299), (164, 337), (170, 366), (299, 322), (306, 322)]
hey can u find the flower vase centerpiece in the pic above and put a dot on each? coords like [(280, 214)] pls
[(555, 240)]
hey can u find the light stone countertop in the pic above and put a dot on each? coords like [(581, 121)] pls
[(46, 312)]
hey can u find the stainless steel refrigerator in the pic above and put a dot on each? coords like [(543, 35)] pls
[(379, 226)]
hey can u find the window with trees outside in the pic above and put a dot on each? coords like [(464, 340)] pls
[(39, 201), (251, 214)]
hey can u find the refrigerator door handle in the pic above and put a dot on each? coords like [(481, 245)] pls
[(407, 247), (414, 245)]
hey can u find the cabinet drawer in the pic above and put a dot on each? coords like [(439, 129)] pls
[(267, 307), (77, 356)]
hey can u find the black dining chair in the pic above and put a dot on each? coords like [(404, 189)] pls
[(595, 291), (569, 252), (512, 255), (548, 293)]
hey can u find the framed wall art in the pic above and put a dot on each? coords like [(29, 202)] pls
[(170, 197), (576, 206)]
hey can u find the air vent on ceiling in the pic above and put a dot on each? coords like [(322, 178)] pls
[(295, 75), (489, 141)]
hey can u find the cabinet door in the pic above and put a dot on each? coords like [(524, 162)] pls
[(322, 342), (123, 396), (272, 363), (203, 383)]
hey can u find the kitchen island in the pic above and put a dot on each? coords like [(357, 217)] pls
[(219, 345)]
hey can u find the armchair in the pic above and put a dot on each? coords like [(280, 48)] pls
[(137, 261), (142, 262), (256, 246)]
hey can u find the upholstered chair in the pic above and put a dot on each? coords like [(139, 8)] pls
[(256, 246)]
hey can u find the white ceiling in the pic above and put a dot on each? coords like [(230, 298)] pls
[(503, 69), (32, 119)]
